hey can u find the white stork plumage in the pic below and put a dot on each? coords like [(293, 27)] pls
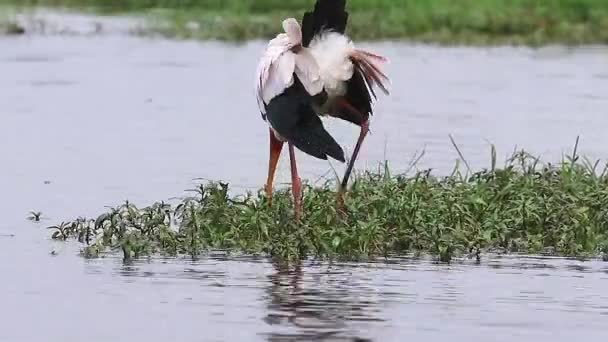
[(311, 71)]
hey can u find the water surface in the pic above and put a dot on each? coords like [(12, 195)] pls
[(87, 122)]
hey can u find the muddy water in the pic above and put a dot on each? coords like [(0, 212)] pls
[(87, 122)]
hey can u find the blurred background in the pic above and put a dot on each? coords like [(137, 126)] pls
[(102, 101)]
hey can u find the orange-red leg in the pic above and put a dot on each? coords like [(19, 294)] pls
[(296, 184), (275, 152), (351, 163)]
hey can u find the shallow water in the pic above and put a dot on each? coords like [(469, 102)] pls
[(87, 122)]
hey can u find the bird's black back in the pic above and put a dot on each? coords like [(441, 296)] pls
[(327, 15)]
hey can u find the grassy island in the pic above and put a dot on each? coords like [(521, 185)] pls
[(524, 207)]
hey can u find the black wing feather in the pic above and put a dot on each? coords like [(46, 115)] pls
[(291, 114), (358, 95), (327, 15)]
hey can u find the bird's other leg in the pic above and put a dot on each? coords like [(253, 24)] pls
[(351, 163), (275, 152), (296, 184)]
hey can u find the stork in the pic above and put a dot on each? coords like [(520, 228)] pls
[(312, 71)]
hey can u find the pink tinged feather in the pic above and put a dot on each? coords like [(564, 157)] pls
[(279, 63), (293, 31), (280, 76), (308, 72), (369, 64), (274, 51)]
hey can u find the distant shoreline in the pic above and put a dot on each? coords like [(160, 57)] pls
[(481, 22)]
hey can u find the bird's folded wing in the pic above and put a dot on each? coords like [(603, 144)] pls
[(275, 71), (279, 77)]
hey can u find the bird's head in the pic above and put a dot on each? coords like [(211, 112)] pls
[(294, 33)]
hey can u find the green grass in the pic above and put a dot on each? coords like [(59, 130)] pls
[(8, 26), (523, 207), (441, 21), (11, 28)]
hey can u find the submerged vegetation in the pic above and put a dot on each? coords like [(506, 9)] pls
[(35, 216), (443, 21), (523, 207)]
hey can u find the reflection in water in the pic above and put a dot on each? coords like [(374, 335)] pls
[(314, 311)]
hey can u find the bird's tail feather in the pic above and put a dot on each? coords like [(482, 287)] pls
[(326, 15)]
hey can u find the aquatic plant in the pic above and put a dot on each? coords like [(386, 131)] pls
[(524, 207), (444, 21), (35, 216)]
